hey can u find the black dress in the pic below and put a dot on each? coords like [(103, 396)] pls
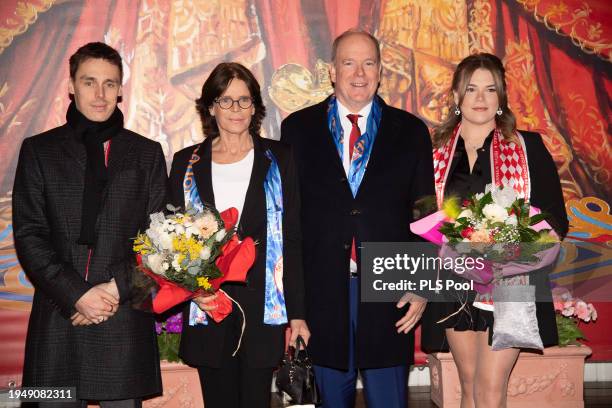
[(545, 194)]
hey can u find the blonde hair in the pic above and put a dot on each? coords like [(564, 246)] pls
[(506, 122)]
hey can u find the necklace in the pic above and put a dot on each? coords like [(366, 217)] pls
[(472, 146)]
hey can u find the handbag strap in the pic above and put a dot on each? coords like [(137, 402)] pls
[(301, 351)]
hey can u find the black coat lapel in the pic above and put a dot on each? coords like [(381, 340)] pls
[(203, 174), (74, 148), (254, 209), (120, 146), (329, 145)]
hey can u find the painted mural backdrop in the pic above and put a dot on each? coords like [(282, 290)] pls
[(558, 56)]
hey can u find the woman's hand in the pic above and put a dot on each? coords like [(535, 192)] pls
[(203, 302), (298, 328)]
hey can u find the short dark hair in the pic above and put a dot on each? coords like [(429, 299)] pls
[(96, 50), (355, 31), (214, 86)]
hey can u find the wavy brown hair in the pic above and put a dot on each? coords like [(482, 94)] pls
[(506, 122), (214, 86)]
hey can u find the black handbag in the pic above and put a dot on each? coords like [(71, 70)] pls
[(296, 378)]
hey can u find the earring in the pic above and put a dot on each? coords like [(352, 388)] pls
[(499, 111), (457, 111)]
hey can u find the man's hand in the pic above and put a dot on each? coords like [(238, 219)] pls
[(97, 304), (78, 319), (203, 302), (414, 313), (298, 328), (111, 287)]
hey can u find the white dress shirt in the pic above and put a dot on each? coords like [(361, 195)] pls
[(347, 126)]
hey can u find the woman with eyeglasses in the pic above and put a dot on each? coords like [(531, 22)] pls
[(236, 167)]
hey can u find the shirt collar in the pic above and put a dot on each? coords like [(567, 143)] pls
[(343, 111)]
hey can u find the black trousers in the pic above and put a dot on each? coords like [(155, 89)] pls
[(234, 385)]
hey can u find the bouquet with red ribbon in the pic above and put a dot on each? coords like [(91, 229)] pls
[(192, 253)]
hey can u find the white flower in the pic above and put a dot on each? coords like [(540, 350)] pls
[(165, 241), (165, 266), (504, 197), (192, 230), (495, 212), (175, 263), (220, 235), (157, 218), (467, 213), (205, 253), (207, 224), (479, 196), (512, 220), (154, 262), (179, 229)]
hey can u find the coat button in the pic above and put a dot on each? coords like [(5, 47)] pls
[(342, 179), (355, 211), (347, 246)]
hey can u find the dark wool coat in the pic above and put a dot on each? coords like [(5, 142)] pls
[(262, 344), (399, 171), (116, 359)]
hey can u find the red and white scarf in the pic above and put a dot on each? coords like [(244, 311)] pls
[(509, 166)]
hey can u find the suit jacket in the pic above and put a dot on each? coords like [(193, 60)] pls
[(262, 344), (400, 171), (116, 359)]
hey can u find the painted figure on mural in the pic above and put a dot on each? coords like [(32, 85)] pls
[(236, 167), (344, 204), (81, 192), (479, 129)]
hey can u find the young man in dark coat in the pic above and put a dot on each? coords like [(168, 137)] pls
[(82, 191), (344, 204)]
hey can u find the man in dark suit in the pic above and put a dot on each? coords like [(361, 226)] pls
[(343, 205), (81, 192)]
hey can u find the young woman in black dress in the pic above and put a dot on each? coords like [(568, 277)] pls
[(481, 129)]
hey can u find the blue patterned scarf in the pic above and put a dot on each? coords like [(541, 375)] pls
[(363, 146)]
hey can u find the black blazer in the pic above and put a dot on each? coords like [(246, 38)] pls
[(262, 345), (117, 359), (400, 171)]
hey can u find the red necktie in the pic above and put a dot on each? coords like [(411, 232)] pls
[(355, 134)]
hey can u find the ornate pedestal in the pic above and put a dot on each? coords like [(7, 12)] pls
[(553, 379), (181, 388)]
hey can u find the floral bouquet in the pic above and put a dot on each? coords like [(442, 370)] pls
[(495, 216), (193, 253), (513, 235), (570, 311)]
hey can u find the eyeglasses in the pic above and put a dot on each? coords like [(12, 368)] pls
[(245, 102)]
